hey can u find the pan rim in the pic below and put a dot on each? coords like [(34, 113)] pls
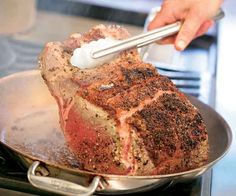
[(85, 172)]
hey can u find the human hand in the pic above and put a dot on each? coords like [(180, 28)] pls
[(196, 16)]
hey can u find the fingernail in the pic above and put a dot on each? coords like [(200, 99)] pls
[(181, 44)]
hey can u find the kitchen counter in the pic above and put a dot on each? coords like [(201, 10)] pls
[(51, 26)]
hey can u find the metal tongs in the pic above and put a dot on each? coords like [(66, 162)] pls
[(145, 38)]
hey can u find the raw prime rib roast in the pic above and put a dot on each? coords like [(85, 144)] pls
[(122, 117)]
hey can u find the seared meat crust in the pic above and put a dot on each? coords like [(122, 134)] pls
[(123, 117)]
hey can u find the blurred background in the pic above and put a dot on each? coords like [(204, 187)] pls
[(206, 69)]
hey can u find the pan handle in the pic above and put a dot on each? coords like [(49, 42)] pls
[(60, 186)]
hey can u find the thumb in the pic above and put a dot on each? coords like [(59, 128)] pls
[(188, 31)]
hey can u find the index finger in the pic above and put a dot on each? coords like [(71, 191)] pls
[(162, 18)]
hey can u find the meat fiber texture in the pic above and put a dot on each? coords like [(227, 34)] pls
[(122, 117)]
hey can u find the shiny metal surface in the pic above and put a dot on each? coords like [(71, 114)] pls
[(29, 126), (60, 186), (138, 40), (147, 37)]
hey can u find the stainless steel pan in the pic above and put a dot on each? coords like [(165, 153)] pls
[(29, 126)]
